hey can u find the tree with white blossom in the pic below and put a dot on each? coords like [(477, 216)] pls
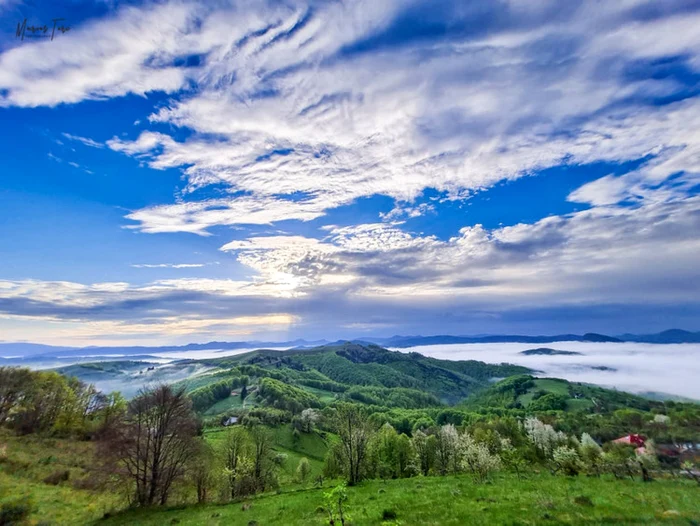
[(544, 437), (446, 449), (566, 460), (476, 458), (309, 418)]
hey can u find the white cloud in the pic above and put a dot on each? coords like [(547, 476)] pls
[(625, 253), (455, 115), (407, 211), (169, 265), (130, 332), (59, 311), (287, 123), (339, 129), (176, 325), (197, 217), (371, 273), (130, 53), (85, 140)]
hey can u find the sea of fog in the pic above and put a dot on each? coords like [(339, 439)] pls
[(49, 361), (635, 367), (638, 367), (206, 354)]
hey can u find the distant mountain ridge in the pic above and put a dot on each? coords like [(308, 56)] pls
[(669, 336), (33, 350), (413, 341), (36, 350)]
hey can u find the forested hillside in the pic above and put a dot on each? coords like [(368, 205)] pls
[(314, 436), (355, 364)]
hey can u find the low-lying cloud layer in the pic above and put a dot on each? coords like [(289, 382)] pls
[(634, 367)]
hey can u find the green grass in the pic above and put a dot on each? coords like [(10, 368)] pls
[(206, 378), (325, 396), (526, 398), (456, 501), (288, 470), (309, 445), (540, 498), (29, 460), (225, 405), (554, 386), (580, 404), (215, 436), (232, 402)]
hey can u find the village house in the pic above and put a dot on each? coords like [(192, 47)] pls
[(668, 453), (632, 440)]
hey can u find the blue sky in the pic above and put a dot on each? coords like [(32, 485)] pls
[(188, 171)]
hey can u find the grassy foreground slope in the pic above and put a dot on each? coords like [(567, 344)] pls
[(457, 500), (33, 467)]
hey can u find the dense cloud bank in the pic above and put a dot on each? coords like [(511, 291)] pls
[(634, 367)]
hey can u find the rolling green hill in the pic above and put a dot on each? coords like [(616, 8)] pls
[(337, 367), (369, 374), (363, 371), (554, 394)]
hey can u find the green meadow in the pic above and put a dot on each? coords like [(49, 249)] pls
[(537, 499)]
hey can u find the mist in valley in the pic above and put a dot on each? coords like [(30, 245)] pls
[(635, 367)]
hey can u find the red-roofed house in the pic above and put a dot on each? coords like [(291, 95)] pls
[(632, 440)]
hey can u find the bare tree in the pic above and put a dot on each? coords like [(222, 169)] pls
[(355, 433), (200, 471), (153, 444)]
